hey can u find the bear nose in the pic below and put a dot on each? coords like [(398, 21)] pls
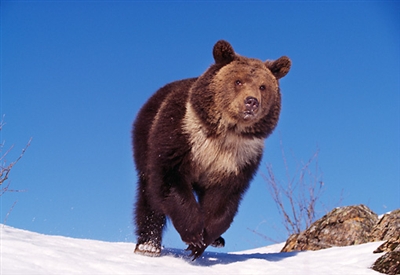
[(251, 103)]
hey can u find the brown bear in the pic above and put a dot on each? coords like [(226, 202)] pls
[(198, 143)]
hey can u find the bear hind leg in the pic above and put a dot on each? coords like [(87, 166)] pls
[(149, 235), (149, 228)]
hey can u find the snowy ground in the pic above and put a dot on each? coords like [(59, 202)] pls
[(24, 252)]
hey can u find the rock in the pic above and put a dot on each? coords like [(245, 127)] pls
[(393, 244), (291, 242), (388, 263), (354, 225), (341, 227), (387, 228)]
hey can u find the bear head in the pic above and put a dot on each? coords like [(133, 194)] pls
[(238, 93)]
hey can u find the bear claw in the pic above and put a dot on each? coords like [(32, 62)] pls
[(148, 249), (196, 251)]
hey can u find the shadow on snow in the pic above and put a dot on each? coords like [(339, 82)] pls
[(214, 258)]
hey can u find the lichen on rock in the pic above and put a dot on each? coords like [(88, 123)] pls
[(341, 227)]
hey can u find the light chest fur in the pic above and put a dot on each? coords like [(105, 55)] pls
[(222, 155)]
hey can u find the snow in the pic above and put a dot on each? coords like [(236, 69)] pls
[(25, 252)]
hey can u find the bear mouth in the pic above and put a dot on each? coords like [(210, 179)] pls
[(249, 115)]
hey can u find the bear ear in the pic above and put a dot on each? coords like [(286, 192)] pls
[(223, 52), (280, 67)]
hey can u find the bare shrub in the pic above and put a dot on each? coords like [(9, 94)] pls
[(296, 198), (5, 169)]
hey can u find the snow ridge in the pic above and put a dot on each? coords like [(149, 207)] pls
[(25, 252)]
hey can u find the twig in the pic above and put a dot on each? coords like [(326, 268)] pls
[(9, 212), (6, 170)]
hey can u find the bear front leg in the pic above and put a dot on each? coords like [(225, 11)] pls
[(149, 226), (170, 189), (179, 204), (220, 207), (186, 215)]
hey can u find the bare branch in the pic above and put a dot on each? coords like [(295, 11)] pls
[(296, 200), (6, 170), (263, 236), (9, 212)]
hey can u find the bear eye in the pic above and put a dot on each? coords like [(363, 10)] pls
[(262, 87), (238, 82)]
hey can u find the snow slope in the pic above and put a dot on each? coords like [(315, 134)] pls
[(24, 252)]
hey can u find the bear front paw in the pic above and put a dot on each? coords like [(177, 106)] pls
[(193, 239), (219, 242), (196, 251), (192, 233)]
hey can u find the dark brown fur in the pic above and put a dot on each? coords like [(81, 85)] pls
[(198, 143)]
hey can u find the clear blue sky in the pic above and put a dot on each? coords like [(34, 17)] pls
[(75, 73)]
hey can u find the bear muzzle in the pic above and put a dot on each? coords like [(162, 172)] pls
[(251, 106)]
